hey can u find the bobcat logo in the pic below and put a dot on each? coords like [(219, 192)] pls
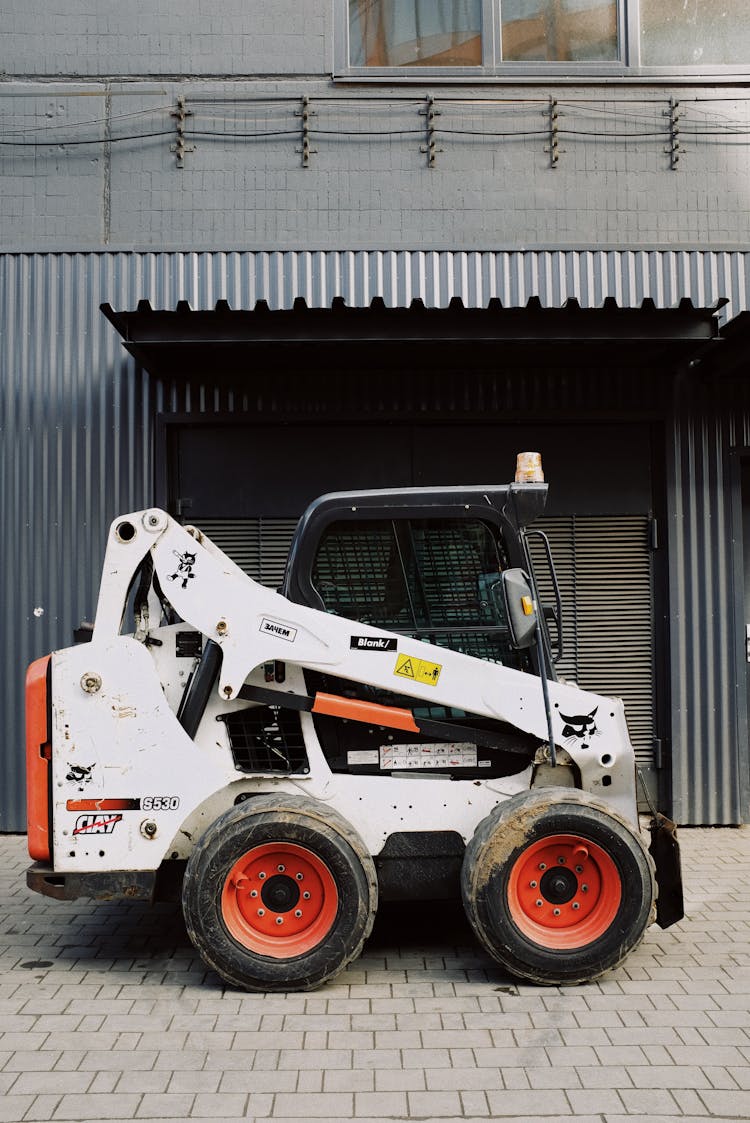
[(79, 774), (581, 727), (184, 572)]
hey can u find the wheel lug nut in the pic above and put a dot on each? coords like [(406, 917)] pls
[(575, 905), (261, 875), (579, 869), (542, 865), (299, 876), (561, 861), (281, 868), (532, 885), (253, 892), (539, 904), (584, 888), (306, 895), (298, 912), (261, 912), (555, 912), (279, 919)]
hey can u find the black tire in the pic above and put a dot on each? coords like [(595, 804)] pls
[(557, 888), (279, 894)]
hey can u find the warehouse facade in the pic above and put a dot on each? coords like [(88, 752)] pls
[(548, 256)]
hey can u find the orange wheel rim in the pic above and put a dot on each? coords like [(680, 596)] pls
[(279, 900), (564, 891)]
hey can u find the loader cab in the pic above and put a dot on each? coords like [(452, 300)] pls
[(425, 563), (422, 562)]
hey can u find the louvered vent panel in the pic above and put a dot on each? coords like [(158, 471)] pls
[(259, 546), (604, 569)]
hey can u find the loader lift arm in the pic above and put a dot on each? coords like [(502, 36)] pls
[(253, 626)]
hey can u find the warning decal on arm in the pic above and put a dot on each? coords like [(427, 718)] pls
[(418, 670)]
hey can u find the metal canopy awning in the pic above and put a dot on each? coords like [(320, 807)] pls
[(184, 341)]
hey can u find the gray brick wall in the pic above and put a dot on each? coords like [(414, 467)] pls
[(88, 38), (368, 184)]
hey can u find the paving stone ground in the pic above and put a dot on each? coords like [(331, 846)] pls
[(107, 1014)]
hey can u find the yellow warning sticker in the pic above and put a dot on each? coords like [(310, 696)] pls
[(418, 670)]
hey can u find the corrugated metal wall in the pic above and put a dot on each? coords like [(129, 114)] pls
[(710, 746), (77, 417)]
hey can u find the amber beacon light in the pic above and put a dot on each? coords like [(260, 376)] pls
[(529, 468)]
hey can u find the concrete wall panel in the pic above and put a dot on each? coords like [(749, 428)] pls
[(133, 37)]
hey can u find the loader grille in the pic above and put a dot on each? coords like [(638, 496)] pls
[(266, 739)]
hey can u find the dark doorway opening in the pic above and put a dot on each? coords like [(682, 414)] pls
[(246, 483)]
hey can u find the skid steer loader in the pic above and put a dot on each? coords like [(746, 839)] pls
[(389, 723)]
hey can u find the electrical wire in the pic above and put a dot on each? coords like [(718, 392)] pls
[(346, 133), (78, 143), (603, 135), (218, 135), (520, 133), (701, 122), (104, 121)]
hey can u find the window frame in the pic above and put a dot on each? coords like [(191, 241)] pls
[(628, 68)]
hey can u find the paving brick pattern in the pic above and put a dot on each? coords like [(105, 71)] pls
[(106, 1013)]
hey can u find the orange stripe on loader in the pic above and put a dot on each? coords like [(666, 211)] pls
[(38, 756), (102, 804), (369, 712)]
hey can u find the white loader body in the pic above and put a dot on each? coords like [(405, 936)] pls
[(465, 774), (125, 738)]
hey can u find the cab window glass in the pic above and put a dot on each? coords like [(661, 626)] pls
[(435, 579), (358, 573)]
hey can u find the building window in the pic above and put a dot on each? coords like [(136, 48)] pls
[(386, 33), (704, 33), (559, 30), (451, 39)]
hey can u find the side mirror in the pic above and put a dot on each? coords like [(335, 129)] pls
[(520, 607)]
